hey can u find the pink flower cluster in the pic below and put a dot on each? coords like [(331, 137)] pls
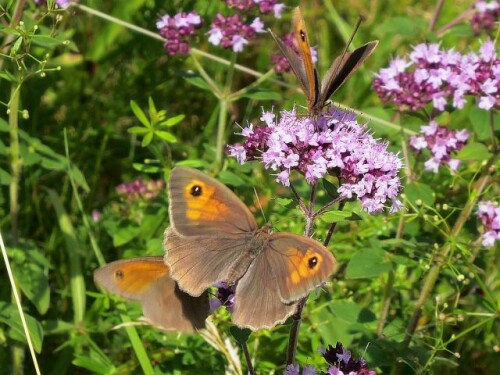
[(441, 142), (140, 189), (332, 143), (265, 6), (232, 32), (441, 77), (177, 30), (61, 4), (489, 213), (485, 16), (340, 360), (281, 64)]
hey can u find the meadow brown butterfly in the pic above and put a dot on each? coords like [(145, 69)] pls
[(214, 237), (317, 93), (147, 280)]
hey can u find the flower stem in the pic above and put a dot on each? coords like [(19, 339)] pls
[(221, 132), (435, 15), (294, 332), (248, 359), (332, 227), (297, 317)]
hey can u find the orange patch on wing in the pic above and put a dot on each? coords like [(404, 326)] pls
[(135, 277), (203, 206), (299, 266)]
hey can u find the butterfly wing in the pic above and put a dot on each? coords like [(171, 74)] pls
[(298, 263), (147, 280), (198, 262), (201, 205), (296, 64), (257, 302), (299, 29), (342, 68)]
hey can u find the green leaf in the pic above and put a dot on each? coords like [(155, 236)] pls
[(166, 136), (147, 139), (79, 178), (138, 130), (146, 168), (402, 26), (9, 315), (5, 177), (241, 335), (173, 120), (474, 151), (77, 283), (330, 188), (367, 263), (30, 269), (46, 41), (263, 95), (198, 82), (16, 46), (152, 108), (418, 192), (336, 216), (480, 120), (139, 113), (7, 76), (193, 163), (229, 178)]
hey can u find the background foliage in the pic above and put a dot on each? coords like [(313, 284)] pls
[(68, 78)]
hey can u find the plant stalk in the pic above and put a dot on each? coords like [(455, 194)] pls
[(248, 359)]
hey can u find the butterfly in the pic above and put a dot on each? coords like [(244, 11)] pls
[(148, 281), (214, 237), (317, 93)]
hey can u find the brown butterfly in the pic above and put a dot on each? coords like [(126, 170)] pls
[(147, 280), (214, 237), (317, 93)]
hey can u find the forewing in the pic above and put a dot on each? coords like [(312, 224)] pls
[(198, 262), (257, 302), (342, 68), (201, 205), (295, 62), (299, 264), (299, 29), (130, 278)]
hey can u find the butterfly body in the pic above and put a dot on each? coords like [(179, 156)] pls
[(213, 237)]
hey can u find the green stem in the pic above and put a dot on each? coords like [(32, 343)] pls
[(223, 112), (248, 359), (15, 166), (221, 133)]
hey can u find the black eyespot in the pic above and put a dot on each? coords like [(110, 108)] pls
[(196, 190), (119, 274), (302, 35), (313, 262)]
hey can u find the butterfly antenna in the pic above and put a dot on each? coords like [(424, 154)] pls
[(260, 206), (349, 42)]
